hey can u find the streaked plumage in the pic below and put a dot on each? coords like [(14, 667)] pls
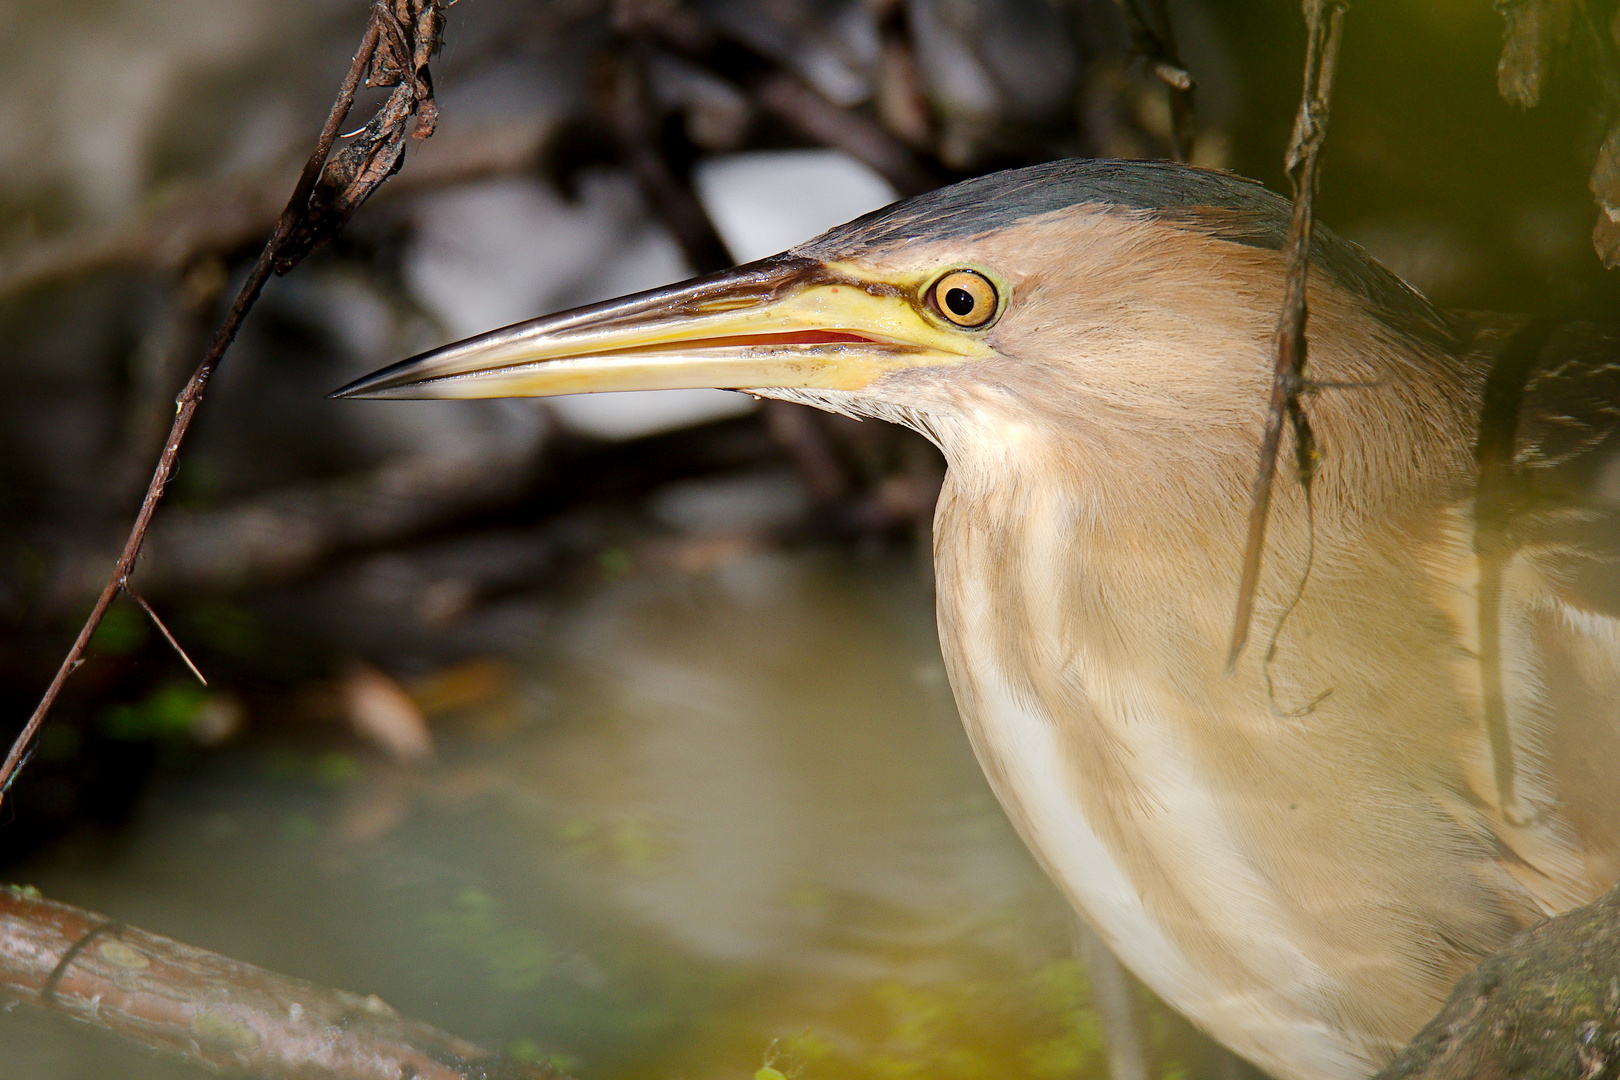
[(1304, 855)]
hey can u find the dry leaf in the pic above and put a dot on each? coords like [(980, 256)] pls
[(411, 31), (1534, 32), (461, 686), (382, 713), (1605, 186)]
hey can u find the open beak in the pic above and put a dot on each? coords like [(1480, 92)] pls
[(783, 322)]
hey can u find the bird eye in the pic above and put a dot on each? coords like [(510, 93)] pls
[(965, 298)]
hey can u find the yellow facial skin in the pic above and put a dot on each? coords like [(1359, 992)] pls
[(784, 322)]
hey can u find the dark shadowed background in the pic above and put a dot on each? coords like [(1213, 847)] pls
[(610, 731)]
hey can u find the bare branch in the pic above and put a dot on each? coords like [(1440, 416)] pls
[(220, 216), (788, 98), (350, 182), (668, 192), (218, 1012), (1324, 20), (1154, 39), (164, 630), (290, 531)]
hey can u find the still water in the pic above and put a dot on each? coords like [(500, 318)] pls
[(717, 818)]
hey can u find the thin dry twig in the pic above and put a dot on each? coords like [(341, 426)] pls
[(321, 202), (216, 1011), (1154, 39), (668, 191), (783, 95), (1324, 20), (164, 630)]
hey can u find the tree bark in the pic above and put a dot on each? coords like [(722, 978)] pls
[(219, 1012), (1546, 1006)]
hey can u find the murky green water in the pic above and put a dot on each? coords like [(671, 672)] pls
[(716, 810)]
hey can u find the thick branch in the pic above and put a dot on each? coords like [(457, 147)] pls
[(215, 1011), (221, 216), (1546, 1005), (290, 531)]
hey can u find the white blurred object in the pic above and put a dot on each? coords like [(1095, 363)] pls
[(649, 261), (767, 202), (489, 254), (221, 719), (761, 203), (89, 87), (486, 255), (634, 413)]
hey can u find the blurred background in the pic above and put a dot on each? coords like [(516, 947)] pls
[(610, 731)]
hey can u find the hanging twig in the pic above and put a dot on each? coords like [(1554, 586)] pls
[(399, 38), (1324, 20), (1499, 498)]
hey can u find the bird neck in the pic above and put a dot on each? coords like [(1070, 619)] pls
[(1140, 523)]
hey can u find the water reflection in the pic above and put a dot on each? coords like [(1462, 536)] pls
[(721, 818)]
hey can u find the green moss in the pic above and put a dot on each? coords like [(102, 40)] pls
[(123, 630), (516, 958), (632, 843), (225, 628), (330, 769), (166, 713), (615, 562), (334, 768), (1039, 1027), (530, 1052)]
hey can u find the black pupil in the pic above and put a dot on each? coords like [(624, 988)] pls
[(959, 301)]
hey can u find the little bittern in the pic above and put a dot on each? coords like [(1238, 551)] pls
[(1303, 853)]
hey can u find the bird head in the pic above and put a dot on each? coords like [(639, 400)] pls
[(1109, 304)]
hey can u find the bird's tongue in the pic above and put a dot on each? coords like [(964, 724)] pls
[(799, 337)]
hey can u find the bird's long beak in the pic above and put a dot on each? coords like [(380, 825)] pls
[(782, 322)]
